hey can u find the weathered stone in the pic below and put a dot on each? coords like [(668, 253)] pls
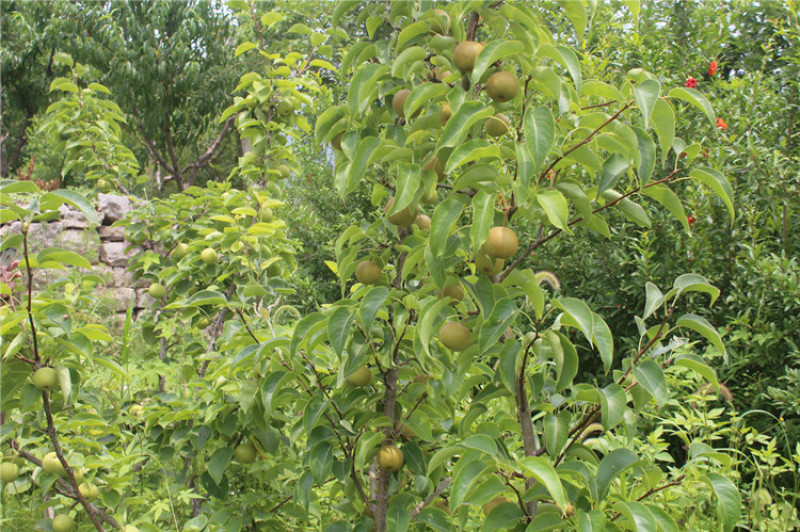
[(72, 218), (86, 243), (143, 299), (120, 298), (111, 234), (113, 253), (40, 236), (112, 207)]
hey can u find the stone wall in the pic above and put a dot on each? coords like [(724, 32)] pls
[(103, 246)]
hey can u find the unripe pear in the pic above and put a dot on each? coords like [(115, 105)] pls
[(63, 523), (497, 125), (435, 165), (441, 22), (399, 101), (53, 465), (245, 453), (368, 272), (429, 197), (454, 292), (157, 290), (284, 171), (454, 336), (502, 243), (180, 251), (423, 221), (403, 218), (502, 86), (45, 378), (265, 215), (360, 377), (489, 506), (209, 256), (465, 54), (336, 141), (390, 458), (445, 113), (285, 107), (9, 472), (89, 491)]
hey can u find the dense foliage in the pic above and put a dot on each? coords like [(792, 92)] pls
[(413, 266)]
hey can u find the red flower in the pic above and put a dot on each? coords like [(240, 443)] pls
[(712, 68), (721, 124), (690, 219), (691, 82)]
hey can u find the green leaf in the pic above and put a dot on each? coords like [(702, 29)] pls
[(692, 282), (326, 120), (60, 257), (663, 120), (410, 55), (482, 217), (492, 52), (576, 13), (556, 208), (411, 32), (696, 98), (716, 182), (244, 47), (470, 113), (358, 167), (647, 92), (363, 86), (371, 304), (647, 152), (300, 28), (632, 211), (444, 215), (321, 461), (408, 179), (651, 378), (502, 517), (613, 402), (464, 479), (566, 57), (58, 197), (201, 298), (699, 366), (480, 442), (614, 167), (700, 325), (666, 197), (503, 315), (556, 431), (428, 317), (639, 516), (665, 521), (654, 299), (540, 134), (541, 469), (423, 94), (302, 328), (339, 325), (582, 316), (610, 466), (469, 151), (219, 463), (728, 499)]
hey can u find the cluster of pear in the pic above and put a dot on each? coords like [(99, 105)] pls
[(501, 244)]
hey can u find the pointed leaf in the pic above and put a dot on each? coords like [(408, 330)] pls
[(700, 325), (339, 325), (539, 468), (647, 92), (651, 378), (444, 215), (716, 182), (540, 134)]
